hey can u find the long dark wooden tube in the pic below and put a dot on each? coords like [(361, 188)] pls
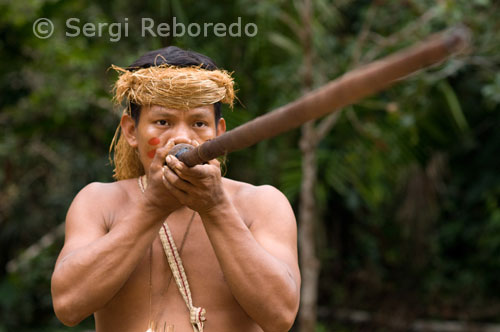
[(346, 90)]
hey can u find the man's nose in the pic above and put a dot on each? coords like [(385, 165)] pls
[(182, 134)]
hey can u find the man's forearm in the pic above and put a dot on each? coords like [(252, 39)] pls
[(87, 278), (262, 285)]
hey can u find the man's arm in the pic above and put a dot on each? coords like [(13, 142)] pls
[(95, 261), (94, 264), (260, 264)]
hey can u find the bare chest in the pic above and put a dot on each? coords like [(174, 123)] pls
[(151, 292)]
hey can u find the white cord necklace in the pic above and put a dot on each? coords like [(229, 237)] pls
[(196, 314)]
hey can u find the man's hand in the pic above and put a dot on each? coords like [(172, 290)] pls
[(198, 187), (156, 193)]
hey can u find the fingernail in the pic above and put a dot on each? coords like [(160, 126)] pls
[(169, 159)]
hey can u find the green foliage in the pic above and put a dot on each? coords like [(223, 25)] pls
[(408, 180)]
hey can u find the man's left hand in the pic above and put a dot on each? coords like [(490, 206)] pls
[(198, 187)]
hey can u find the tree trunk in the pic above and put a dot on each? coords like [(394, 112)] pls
[(307, 243), (307, 209)]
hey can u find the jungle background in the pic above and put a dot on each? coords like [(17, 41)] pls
[(400, 213)]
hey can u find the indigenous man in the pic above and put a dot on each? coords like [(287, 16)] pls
[(168, 246)]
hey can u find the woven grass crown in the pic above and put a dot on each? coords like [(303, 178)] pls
[(180, 88), (174, 87)]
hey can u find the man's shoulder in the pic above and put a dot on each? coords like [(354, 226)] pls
[(264, 208), (103, 192), (248, 194), (101, 202)]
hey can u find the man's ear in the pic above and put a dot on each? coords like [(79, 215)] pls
[(221, 127), (129, 130)]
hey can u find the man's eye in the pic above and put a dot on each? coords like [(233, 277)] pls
[(162, 122), (199, 124)]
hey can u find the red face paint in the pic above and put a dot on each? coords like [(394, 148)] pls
[(154, 141), (151, 154)]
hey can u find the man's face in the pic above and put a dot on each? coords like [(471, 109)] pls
[(157, 125)]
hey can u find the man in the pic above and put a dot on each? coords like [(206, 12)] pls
[(235, 265)]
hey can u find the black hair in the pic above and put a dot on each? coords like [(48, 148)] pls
[(173, 56)]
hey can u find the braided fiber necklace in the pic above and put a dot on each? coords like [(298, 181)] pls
[(197, 315)]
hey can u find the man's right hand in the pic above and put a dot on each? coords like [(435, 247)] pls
[(156, 194)]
